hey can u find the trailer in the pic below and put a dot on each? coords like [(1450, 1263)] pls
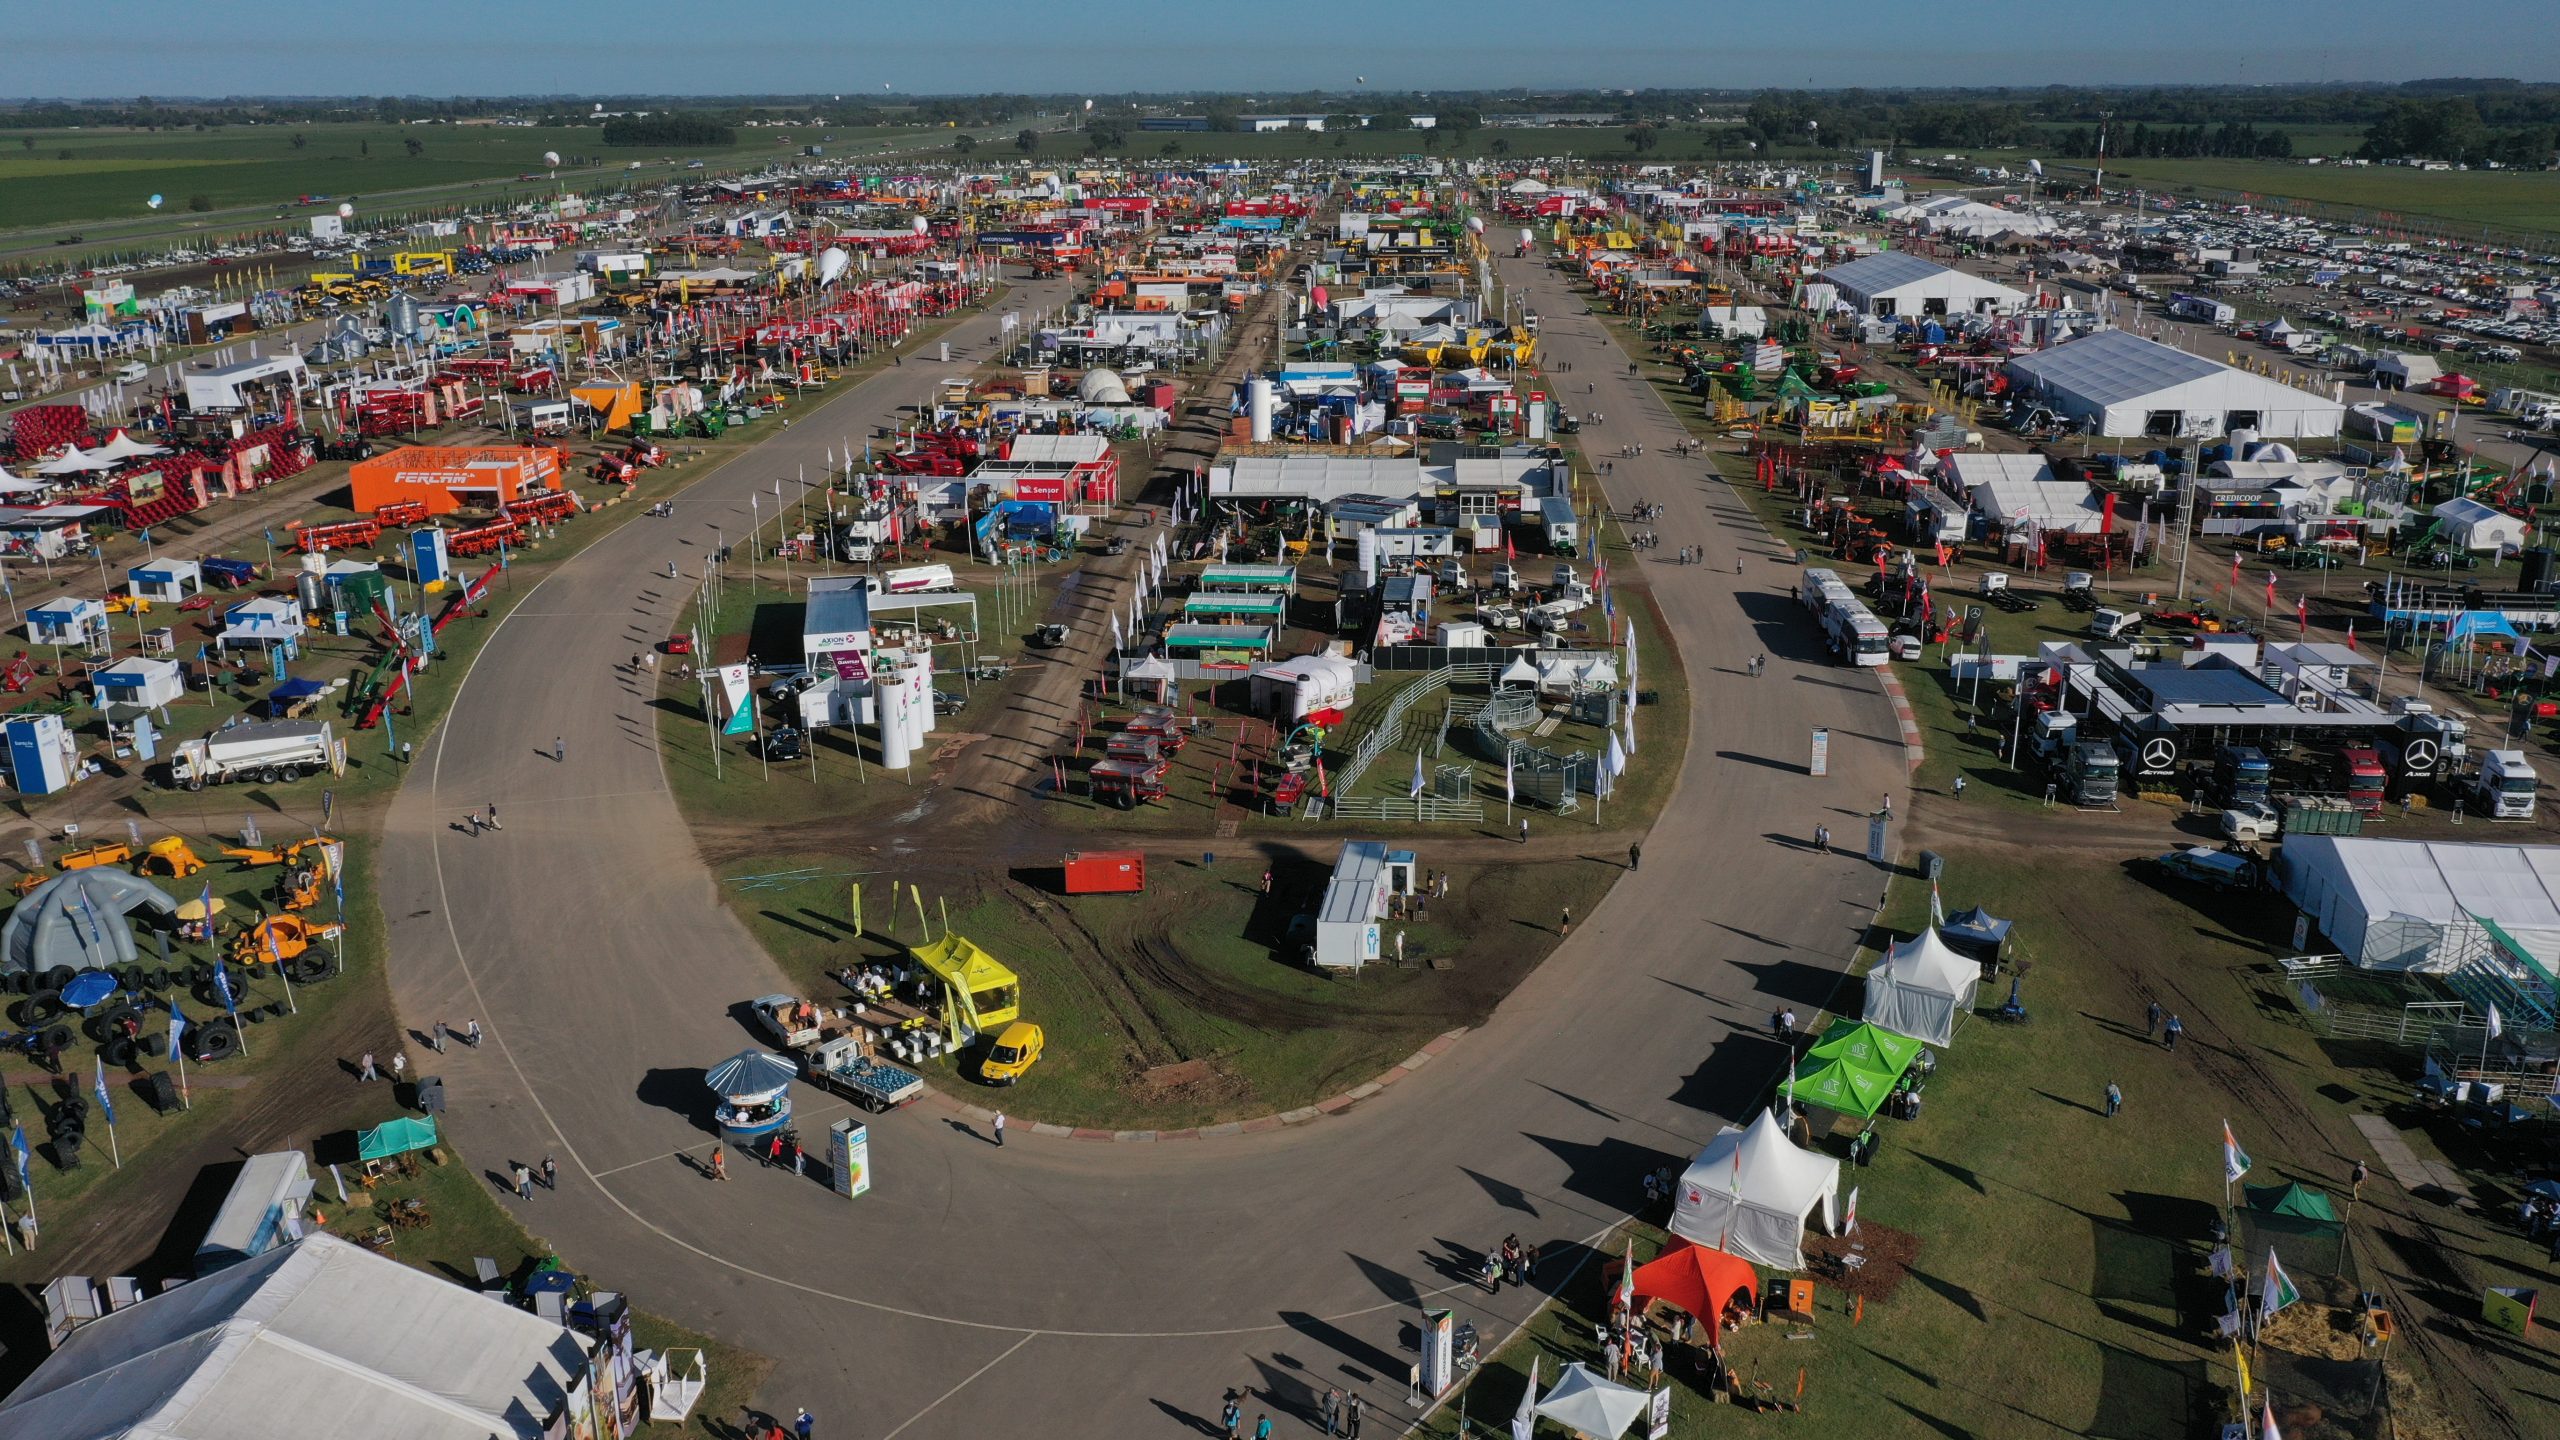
[(876, 1085), (345, 535), (1105, 872)]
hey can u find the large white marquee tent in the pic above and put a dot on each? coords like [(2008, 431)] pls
[(1921, 988), (2124, 386)]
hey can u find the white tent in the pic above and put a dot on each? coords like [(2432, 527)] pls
[(1592, 1404), (1749, 1191), (1921, 988)]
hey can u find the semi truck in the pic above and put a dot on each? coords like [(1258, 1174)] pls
[(2090, 773), (2361, 776), (2242, 775), (2503, 788), (275, 753)]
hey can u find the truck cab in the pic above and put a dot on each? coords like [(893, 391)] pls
[(2109, 623), (2091, 773), (2360, 775), (2242, 775), (2505, 787)]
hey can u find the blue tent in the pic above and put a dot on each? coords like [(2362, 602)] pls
[(296, 689), (751, 1075), (2480, 622)]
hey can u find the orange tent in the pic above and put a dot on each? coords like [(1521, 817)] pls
[(1697, 1279)]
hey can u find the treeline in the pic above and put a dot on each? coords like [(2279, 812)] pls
[(2455, 129), (660, 131), (2227, 141)]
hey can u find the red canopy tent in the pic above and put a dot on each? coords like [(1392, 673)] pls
[(1697, 1279)]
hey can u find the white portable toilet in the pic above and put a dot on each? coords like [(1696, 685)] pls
[(68, 621), (167, 582), (141, 683), (40, 753)]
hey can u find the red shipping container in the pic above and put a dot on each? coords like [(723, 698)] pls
[(1106, 872)]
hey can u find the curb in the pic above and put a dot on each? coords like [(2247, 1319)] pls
[(1287, 1119), (1912, 751)]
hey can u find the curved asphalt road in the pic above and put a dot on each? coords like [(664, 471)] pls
[(1087, 1288)]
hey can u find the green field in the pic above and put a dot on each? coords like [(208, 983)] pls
[(112, 173), (1604, 142)]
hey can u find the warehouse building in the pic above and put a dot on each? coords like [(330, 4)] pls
[(2427, 905), (1894, 284), (449, 478), (2119, 385)]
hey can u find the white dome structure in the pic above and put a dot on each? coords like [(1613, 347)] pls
[(1102, 387)]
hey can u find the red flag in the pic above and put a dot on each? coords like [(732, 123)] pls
[(1506, 546), (2271, 589), (2235, 572), (2302, 615), (2107, 516), (2351, 634)]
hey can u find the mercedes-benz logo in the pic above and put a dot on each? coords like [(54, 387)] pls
[(2159, 754), (2420, 756)]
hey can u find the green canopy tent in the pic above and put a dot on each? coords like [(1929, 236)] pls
[(396, 1137), (2297, 1222), (1852, 1069)]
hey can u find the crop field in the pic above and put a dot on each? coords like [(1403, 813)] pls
[(56, 177), (2512, 200), (1595, 142)]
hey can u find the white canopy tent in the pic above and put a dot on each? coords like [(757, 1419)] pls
[(1921, 988), (1749, 1191), (1592, 1404)]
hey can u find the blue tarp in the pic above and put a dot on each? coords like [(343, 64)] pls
[(296, 690), (2479, 622)]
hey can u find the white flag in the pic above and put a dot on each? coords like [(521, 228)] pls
[(1116, 644), (1616, 764), (1630, 728), (1937, 907), (1417, 776), (2495, 1029), (1524, 1421), (1510, 794)]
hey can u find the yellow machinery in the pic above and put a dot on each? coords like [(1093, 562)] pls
[(279, 855), (105, 852), (169, 855), (119, 602), (293, 944), (423, 262)]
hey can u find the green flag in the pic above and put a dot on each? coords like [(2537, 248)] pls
[(2278, 1292)]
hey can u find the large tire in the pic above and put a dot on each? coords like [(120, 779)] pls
[(314, 965), (117, 1052), (215, 1040), (195, 783), (289, 772), (108, 1023), (267, 775), (55, 1040), (37, 1008), (59, 976)]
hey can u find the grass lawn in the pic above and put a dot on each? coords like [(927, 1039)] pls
[(1187, 1005), (77, 175), (1597, 143), (2058, 1287), (2512, 200)]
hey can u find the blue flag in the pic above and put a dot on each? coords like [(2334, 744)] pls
[(100, 1086), (177, 1028), (222, 987), (18, 1143)]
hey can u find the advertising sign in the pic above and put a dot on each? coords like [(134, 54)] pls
[(1821, 765), (1436, 1367), (429, 563), (849, 1157)]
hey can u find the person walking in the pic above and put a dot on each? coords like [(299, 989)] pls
[(2169, 1034), (364, 1069), (471, 1033), (1266, 882), (471, 818), (559, 749), (1233, 1415), (2355, 1181), (1635, 856), (803, 1425), (550, 1173), (493, 816), (436, 1039), (400, 1066), (999, 1129), (2151, 1022), (524, 1182), (799, 1157), (1351, 1417), (1524, 830), (1777, 1024), (1886, 810), (1822, 838), (1564, 923), (2115, 1099), (1261, 1427), (719, 1163), (1959, 787), (1787, 1027), (27, 1231), (1331, 1409)]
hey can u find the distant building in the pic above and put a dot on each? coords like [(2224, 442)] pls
[(1192, 123), (1552, 119), (1263, 124)]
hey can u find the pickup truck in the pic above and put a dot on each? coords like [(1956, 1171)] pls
[(2213, 869), (2252, 822), (840, 1065)]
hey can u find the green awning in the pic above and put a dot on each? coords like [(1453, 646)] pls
[(1840, 1085), (396, 1137)]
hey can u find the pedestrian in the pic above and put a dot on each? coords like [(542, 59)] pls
[(1737, 564), (1887, 810), (799, 1158), (773, 1152), (559, 749), (1787, 1026), (1524, 830), (999, 1129), (524, 1182), (1261, 1427), (1959, 787), (2115, 1099), (1233, 1415), (550, 1173), (802, 1426), (493, 816), (27, 1230), (2151, 1021), (471, 1033), (437, 1039), (1564, 925), (649, 659), (400, 1066), (365, 1070), (1331, 1408), (471, 821), (2175, 1028), (1351, 1427), (1777, 1024), (1529, 1265), (1266, 882), (671, 569), (719, 1163), (2355, 1182), (1635, 856), (635, 662)]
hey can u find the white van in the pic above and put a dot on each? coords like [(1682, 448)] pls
[(133, 372)]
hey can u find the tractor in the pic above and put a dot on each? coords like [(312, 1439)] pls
[(292, 943)]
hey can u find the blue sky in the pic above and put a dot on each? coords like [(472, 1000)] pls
[(481, 47)]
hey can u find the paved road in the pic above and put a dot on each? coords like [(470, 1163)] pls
[(1107, 1289)]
